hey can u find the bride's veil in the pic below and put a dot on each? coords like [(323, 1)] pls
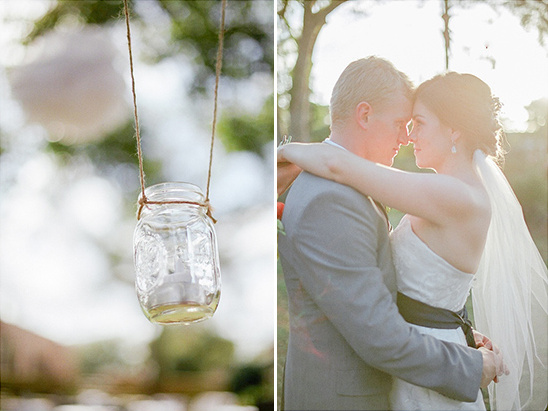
[(510, 298)]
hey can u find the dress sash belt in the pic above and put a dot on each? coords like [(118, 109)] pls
[(419, 313)]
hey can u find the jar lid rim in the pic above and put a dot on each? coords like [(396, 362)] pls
[(174, 189), (174, 184)]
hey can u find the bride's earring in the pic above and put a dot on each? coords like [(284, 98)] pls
[(454, 147), (455, 135)]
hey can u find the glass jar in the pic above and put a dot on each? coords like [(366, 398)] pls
[(178, 279)]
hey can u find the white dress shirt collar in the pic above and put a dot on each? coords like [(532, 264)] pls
[(331, 142)]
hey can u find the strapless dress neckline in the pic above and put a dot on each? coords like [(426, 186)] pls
[(424, 275)]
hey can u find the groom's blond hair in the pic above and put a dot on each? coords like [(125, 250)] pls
[(370, 79)]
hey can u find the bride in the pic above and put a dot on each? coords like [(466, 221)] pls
[(463, 230)]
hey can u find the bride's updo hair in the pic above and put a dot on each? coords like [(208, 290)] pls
[(463, 102)]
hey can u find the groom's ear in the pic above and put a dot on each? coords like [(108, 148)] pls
[(362, 113)]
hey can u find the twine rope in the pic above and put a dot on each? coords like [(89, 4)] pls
[(218, 66), (143, 200)]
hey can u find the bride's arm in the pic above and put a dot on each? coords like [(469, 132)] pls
[(434, 197)]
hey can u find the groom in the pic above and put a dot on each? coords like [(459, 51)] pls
[(346, 336)]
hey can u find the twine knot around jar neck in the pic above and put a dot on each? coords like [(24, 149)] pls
[(144, 202)]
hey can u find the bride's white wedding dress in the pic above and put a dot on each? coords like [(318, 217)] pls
[(510, 301), (425, 276)]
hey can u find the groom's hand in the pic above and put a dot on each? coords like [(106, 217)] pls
[(493, 366), (484, 341)]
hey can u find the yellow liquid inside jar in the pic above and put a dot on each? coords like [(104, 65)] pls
[(181, 313)]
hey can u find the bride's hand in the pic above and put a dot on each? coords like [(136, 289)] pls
[(286, 171), (286, 174)]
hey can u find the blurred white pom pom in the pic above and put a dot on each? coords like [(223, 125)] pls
[(71, 87)]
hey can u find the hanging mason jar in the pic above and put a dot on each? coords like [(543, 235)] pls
[(178, 279)]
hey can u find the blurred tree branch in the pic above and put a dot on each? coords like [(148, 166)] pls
[(194, 30), (532, 13), (314, 18)]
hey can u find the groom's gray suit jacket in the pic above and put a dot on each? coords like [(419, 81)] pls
[(346, 335)]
